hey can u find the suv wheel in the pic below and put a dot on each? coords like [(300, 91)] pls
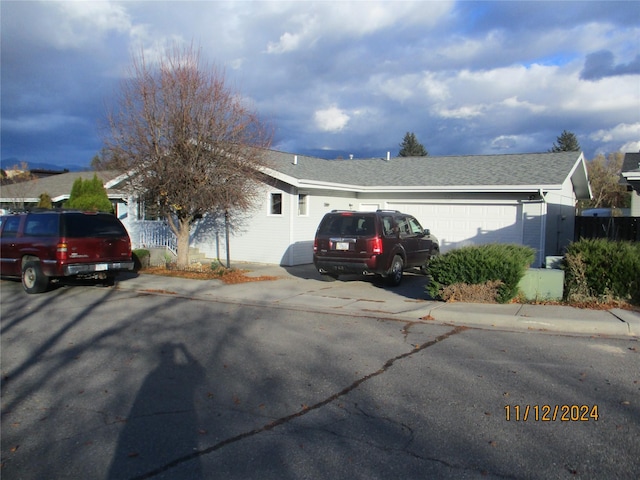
[(33, 280), (395, 272)]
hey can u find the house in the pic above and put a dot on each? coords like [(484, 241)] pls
[(631, 176), (464, 200), (526, 199)]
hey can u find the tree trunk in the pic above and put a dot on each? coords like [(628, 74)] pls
[(183, 243), (226, 234)]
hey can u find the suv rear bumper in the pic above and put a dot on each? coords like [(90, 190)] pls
[(95, 268), (337, 267)]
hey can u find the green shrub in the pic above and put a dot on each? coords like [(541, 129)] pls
[(600, 268), (141, 258), (478, 265)]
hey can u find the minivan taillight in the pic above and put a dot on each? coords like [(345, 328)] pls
[(376, 246), (315, 245), (61, 251)]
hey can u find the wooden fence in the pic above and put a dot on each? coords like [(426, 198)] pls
[(613, 228)]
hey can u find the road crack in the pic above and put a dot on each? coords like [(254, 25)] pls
[(305, 410)]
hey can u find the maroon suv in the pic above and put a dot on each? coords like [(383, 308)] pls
[(44, 245), (385, 242)]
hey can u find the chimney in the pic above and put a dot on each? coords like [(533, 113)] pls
[(295, 159)]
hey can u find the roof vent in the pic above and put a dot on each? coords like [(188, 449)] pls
[(295, 159), (388, 156)]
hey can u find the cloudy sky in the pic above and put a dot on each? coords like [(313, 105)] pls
[(338, 78)]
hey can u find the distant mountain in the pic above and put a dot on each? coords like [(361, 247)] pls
[(6, 163)]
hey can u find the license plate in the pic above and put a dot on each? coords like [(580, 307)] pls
[(342, 245), (101, 267)]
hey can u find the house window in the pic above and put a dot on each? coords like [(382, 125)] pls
[(275, 205), (303, 204)]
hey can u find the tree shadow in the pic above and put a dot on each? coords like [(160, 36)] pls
[(162, 423)]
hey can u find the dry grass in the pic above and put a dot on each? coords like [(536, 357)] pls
[(464, 292), (488, 293), (229, 276)]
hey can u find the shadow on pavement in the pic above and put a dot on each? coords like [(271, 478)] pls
[(162, 423), (413, 285)]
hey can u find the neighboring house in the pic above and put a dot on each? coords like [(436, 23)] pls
[(17, 196), (631, 176), (526, 199)]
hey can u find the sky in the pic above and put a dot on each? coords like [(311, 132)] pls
[(337, 78)]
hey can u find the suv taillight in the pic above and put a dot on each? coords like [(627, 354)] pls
[(376, 246), (61, 251), (315, 245)]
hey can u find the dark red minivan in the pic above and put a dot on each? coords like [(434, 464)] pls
[(43, 245)]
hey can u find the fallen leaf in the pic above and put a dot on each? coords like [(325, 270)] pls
[(13, 449)]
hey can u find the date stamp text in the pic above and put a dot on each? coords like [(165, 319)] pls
[(551, 413)]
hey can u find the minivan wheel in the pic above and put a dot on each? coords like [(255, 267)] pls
[(33, 280), (395, 272)]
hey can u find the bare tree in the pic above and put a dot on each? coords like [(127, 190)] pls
[(191, 144), (604, 177)]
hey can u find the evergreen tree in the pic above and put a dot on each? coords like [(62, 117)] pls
[(567, 142), (45, 201), (89, 195), (411, 147)]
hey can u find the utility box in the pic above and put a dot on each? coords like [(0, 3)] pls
[(542, 284)]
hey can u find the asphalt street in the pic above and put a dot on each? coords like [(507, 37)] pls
[(145, 381)]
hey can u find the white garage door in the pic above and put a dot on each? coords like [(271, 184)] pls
[(462, 224)]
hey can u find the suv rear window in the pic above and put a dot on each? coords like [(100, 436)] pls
[(79, 225), (345, 225)]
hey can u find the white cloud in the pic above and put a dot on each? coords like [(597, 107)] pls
[(514, 102), (332, 119), (632, 147), (623, 132), (84, 22), (339, 20)]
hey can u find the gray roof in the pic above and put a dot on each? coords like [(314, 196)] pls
[(631, 162), (55, 185), (511, 170)]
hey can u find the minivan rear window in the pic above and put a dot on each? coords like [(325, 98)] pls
[(79, 225)]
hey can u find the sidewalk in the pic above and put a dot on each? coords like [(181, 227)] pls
[(301, 287)]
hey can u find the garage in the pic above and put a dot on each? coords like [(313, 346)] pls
[(460, 224)]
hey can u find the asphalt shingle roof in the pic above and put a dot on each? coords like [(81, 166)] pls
[(466, 170)]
